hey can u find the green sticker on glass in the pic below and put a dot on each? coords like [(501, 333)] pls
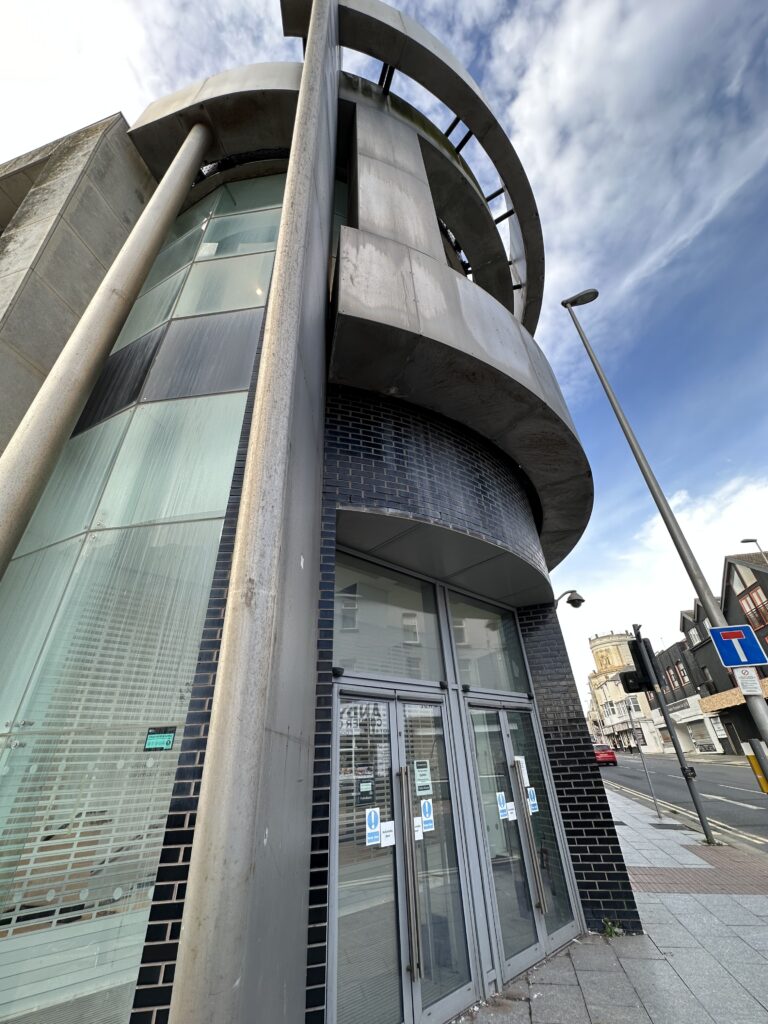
[(160, 737)]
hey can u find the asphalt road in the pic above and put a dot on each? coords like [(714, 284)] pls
[(729, 791)]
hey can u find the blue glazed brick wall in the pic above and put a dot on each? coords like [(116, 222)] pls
[(385, 454), (601, 875)]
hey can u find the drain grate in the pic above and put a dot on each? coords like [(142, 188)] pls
[(672, 826)]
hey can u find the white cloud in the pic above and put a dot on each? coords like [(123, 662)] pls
[(637, 124), (631, 576), (69, 65)]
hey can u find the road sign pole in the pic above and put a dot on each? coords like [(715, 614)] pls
[(755, 705), (687, 772), (642, 756)]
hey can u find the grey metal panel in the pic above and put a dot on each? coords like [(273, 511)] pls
[(247, 108), (410, 326), (376, 29)]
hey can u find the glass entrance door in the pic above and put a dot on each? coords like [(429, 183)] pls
[(532, 906), (401, 936)]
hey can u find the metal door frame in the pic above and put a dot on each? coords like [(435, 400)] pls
[(507, 968), (489, 968), (395, 694), (554, 940)]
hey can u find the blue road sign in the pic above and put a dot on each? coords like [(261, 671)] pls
[(737, 646), (427, 816), (372, 827)]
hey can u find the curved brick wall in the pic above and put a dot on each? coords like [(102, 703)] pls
[(382, 453)]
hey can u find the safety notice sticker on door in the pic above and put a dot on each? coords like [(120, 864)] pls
[(387, 833), (533, 803), (417, 831), (372, 827), (523, 769), (427, 816), (501, 800), (422, 777), (511, 812)]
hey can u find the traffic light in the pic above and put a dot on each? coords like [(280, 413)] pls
[(633, 682), (637, 680)]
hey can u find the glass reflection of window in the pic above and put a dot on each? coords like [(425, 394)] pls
[(410, 628), (491, 656), (394, 612), (460, 633), (348, 608)]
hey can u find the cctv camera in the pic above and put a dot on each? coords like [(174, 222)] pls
[(575, 601)]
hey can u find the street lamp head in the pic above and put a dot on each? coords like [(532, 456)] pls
[(749, 540), (581, 299)]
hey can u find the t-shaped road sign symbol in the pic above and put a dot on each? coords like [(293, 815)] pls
[(735, 635), (737, 646)]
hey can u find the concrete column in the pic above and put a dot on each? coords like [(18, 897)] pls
[(27, 462), (242, 948)]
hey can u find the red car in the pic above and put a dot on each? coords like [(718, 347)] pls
[(604, 754)]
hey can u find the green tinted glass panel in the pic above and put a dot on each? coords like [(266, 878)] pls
[(240, 234), (217, 285), (83, 806), (176, 461), (173, 258), (194, 217), (73, 491), (30, 592), (150, 309), (254, 194)]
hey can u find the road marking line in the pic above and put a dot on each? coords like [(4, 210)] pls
[(728, 800), (722, 826), (741, 789)]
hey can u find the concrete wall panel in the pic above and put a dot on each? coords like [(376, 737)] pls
[(393, 197), (89, 189)]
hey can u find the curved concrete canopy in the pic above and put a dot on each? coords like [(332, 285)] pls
[(247, 109), (410, 326), (457, 559), (374, 28)]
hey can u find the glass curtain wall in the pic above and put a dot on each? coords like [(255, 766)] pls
[(102, 610)]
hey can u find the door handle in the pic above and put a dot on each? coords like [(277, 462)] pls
[(411, 885), (528, 824)]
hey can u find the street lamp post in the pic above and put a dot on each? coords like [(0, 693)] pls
[(755, 704), (754, 540)]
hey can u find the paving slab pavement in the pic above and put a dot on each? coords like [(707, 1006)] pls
[(703, 959)]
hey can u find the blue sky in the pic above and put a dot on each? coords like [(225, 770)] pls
[(643, 126)]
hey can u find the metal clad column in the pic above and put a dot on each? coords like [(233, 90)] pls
[(27, 462), (242, 949)]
